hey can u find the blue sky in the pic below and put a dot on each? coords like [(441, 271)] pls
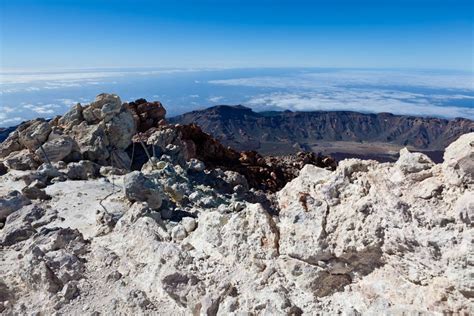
[(46, 34)]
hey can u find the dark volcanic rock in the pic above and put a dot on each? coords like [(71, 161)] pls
[(3, 169)]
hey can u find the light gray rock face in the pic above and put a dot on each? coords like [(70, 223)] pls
[(140, 188), (82, 170), (12, 202), (92, 141), (169, 142), (56, 149), (35, 134), (120, 130), (459, 159), (464, 208), (96, 132), (413, 162), (10, 145), (22, 160), (73, 117), (103, 108), (374, 230), (21, 225), (302, 221)]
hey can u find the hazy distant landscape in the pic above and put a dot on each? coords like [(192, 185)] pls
[(26, 95)]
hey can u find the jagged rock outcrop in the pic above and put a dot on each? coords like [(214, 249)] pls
[(184, 142), (185, 236), (105, 133), (146, 114)]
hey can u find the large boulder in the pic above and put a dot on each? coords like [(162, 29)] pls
[(459, 159), (18, 226), (56, 149), (92, 141), (146, 114), (72, 117), (409, 162), (12, 202), (82, 170), (34, 133), (120, 130), (142, 189), (22, 160), (104, 108), (11, 144)]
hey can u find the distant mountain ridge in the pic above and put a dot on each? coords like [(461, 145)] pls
[(4, 132), (242, 128)]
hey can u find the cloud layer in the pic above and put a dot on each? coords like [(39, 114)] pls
[(417, 93)]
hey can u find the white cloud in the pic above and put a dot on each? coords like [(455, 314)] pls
[(367, 91), (9, 121), (362, 101), (215, 99), (6, 109), (68, 102), (361, 78), (43, 109)]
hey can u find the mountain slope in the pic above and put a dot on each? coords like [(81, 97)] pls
[(4, 132), (242, 128)]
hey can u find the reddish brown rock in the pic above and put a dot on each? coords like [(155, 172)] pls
[(146, 114)]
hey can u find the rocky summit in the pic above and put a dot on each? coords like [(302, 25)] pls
[(110, 209)]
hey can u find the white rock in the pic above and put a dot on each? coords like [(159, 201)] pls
[(413, 162), (178, 233), (189, 224), (459, 159)]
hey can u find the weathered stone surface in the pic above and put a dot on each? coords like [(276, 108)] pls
[(32, 192), (120, 159), (19, 225), (82, 170), (140, 188), (11, 144), (56, 149), (104, 108), (464, 208), (146, 114), (302, 217), (33, 134), (459, 158), (120, 130), (12, 202), (22, 160), (413, 162), (72, 117), (92, 141)]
